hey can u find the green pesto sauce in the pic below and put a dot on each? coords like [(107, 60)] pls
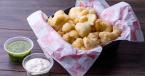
[(18, 46)]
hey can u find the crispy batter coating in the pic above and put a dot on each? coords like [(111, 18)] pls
[(91, 18), (78, 43), (102, 26), (92, 40), (67, 38), (74, 34), (67, 27), (58, 20), (83, 29), (109, 36), (83, 19)]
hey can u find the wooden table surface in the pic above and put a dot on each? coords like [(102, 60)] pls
[(127, 60)]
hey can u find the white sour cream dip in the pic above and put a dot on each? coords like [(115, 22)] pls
[(37, 66)]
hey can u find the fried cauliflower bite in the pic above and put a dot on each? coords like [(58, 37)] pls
[(83, 19), (105, 37), (75, 12), (58, 20), (109, 36), (51, 23), (102, 26), (83, 29), (84, 12), (78, 43), (92, 18), (94, 35), (106, 27), (67, 38), (88, 11), (71, 21), (73, 34), (81, 14), (116, 33), (98, 26), (67, 27), (92, 40)]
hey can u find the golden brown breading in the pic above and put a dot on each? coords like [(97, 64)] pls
[(83, 29)]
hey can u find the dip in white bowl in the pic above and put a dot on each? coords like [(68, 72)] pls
[(37, 64)]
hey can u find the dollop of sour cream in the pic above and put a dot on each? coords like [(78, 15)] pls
[(37, 66)]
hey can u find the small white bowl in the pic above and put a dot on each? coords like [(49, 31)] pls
[(38, 55)]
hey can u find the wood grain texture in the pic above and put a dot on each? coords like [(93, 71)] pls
[(127, 60)]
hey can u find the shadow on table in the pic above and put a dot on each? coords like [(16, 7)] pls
[(119, 56), (106, 60)]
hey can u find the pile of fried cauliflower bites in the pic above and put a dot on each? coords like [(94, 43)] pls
[(82, 28)]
